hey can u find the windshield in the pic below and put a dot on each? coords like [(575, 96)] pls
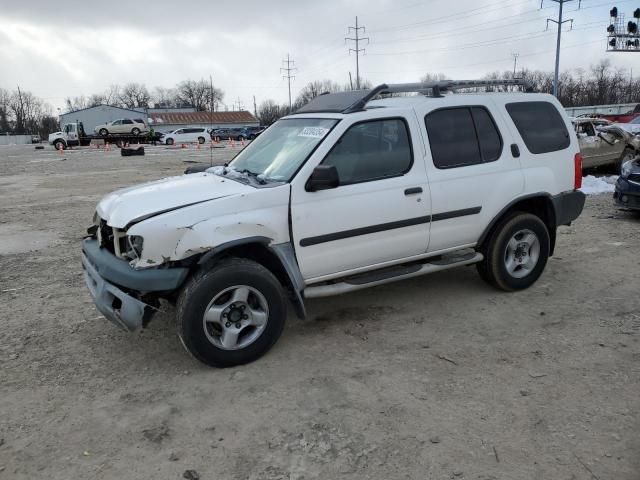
[(278, 152)]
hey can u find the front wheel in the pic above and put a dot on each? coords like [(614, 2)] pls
[(169, 141), (200, 140), (231, 314), (135, 131), (516, 253), (103, 132), (59, 145)]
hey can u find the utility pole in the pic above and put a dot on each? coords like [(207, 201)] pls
[(357, 50), (288, 69), (515, 62), (350, 81), (559, 22), (255, 108)]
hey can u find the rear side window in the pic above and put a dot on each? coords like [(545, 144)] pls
[(462, 136), (372, 150), (540, 125)]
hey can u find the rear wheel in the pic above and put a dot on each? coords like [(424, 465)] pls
[(135, 131), (103, 132), (232, 314), (169, 141), (200, 140), (516, 252)]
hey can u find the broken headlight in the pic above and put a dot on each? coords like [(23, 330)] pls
[(134, 246), (625, 171)]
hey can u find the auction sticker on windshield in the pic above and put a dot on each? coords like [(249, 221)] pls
[(314, 132)]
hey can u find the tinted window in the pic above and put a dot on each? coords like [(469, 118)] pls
[(372, 150), (452, 137), (488, 135), (127, 122), (462, 136), (540, 126)]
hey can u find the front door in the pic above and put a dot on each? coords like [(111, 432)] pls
[(380, 211)]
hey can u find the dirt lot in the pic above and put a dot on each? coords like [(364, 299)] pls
[(433, 378)]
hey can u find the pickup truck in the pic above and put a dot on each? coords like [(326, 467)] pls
[(352, 191)]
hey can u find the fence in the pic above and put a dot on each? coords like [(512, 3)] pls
[(6, 139)]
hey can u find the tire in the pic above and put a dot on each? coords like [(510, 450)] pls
[(213, 339), (509, 268), (59, 145), (200, 140), (103, 132), (135, 131), (240, 138), (169, 141)]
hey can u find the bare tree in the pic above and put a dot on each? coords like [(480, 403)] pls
[(5, 98), (134, 95), (165, 97), (112, 95), (269, 111), (198, 94)]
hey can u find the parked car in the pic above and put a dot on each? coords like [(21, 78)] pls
[(632, 127), (237, 134), (349, 192), (627, 192), (603, 143), (186, 135), (123, 125), (253, 132)]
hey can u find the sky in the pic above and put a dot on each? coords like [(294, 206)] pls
[(71, 48)]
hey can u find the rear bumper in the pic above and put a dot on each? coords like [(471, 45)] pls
[(627, 194), (568, 206)]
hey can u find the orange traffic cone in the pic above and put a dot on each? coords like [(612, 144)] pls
[(242, 141), (60, 148)]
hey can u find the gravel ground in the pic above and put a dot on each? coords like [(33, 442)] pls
[(436, 377)]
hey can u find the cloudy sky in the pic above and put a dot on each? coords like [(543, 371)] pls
[(71, 48)]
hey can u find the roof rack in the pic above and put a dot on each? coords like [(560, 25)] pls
[(356, 100)]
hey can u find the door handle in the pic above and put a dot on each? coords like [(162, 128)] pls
[(515, 151), (413, 190)]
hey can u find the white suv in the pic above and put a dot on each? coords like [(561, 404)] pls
[(350, 192)]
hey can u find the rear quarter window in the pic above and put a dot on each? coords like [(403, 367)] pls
[(540, 125)]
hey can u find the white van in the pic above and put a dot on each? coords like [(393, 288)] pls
[(187, 135)]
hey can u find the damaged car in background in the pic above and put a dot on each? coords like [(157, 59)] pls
[(604, 144), (627, 192)]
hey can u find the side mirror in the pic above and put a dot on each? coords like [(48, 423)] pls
[(323, 177)]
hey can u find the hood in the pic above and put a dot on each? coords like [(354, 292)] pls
[(54, 135), (133, 204)]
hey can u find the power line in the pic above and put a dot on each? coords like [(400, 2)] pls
[(288, 76), (357, 50), (559, 22)]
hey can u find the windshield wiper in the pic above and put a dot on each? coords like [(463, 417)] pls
[(255, 175)]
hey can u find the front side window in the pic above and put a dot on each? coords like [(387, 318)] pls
[(540, 125), (117, 122), (372, 150), (462, 136), (278, 153)]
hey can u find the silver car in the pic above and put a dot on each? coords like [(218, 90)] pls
[(133, 126), (603, 143)]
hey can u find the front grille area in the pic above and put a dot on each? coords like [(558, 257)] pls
[(106, 236), (112, 239), (634, 177)]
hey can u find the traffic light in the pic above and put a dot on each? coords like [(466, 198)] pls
[(611, 28), (614, 12), (632, 27), (636, 13), (612, 42)]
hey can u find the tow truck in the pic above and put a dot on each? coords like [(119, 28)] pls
[(74, 134)]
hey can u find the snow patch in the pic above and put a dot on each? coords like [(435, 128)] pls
[(596, 185)]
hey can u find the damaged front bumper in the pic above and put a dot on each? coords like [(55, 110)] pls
[(106, 275)]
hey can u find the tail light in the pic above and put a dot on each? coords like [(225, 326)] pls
[(577, 176)]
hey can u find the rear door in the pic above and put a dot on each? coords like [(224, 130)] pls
[(472, 171), (127, 125)]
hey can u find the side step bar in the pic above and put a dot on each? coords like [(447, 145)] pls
[(391, 274)]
